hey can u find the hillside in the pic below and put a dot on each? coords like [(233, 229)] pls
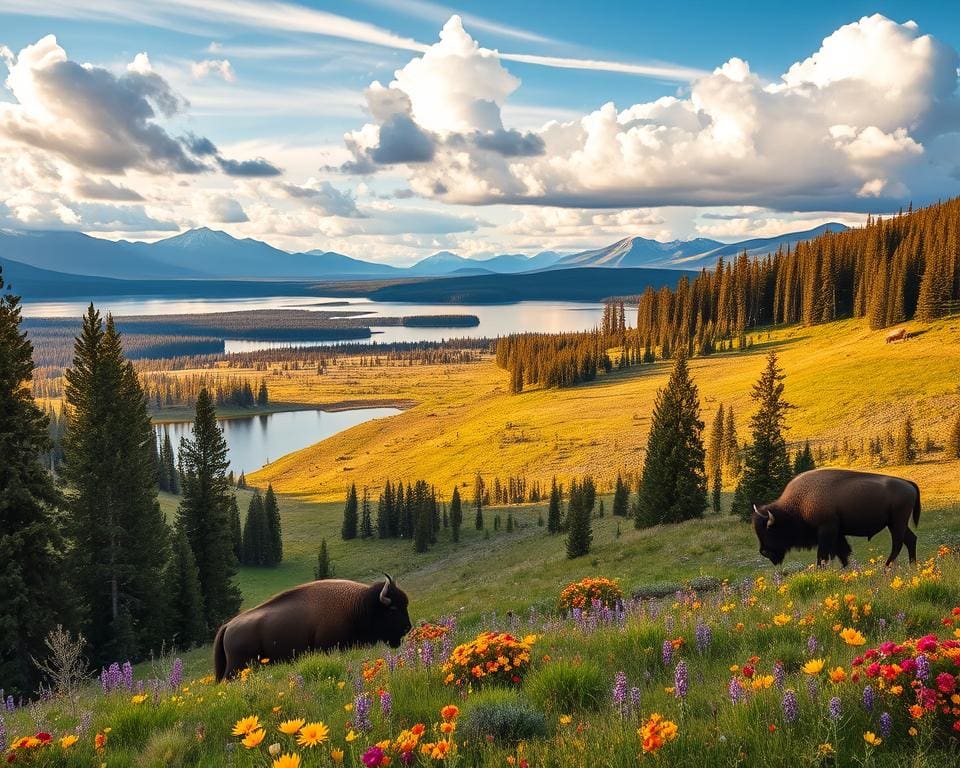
[(843, 379)]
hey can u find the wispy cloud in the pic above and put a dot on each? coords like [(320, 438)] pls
[(662, 71)]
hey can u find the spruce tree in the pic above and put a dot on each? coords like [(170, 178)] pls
[(715, 446), (716, 487), (456, 515), (553, 510), (324, 569), (384, 511), (767, 467), (423, 517), (171, 476), (478, 501), (953, 443), (349, 528), (673, 484), (204, 513), (621, 497), (31, 547), (579, 532), (236, 530), (731, 445), (366, 524), (803, 462), (263, 397), (255, 532), (905, 447), (271, 511), (181, 584), (120, 539)]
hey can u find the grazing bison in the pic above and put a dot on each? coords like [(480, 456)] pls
[(898, 335), (820, 508), (321, 615)]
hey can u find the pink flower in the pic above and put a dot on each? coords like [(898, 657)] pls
[(927, 643), (373, 757), (946, 683)]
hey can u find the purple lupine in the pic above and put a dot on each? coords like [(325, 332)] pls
[(868, 698), (635, 698), (620, 692), (886, 724), (812, 645), (882, 624), (127, 675), (667, 653), (446, 645), (735, 690), (812, 688), (175, 680), (426, 654), (391, 659), (835, 708), (704, 636), (298, 681), (901, 617), (923, 667), (85, 719), (386, 703), (791, 709), (779, 673), (361, 712), (668, 622), (681, 681)]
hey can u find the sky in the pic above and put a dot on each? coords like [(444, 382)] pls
[(391, 129)]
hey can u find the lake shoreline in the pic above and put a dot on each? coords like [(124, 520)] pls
[(184, 415)]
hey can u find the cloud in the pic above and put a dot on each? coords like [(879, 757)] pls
[(866, 122), (220, 67), (104, 189), (99, 121), (320, 196), (226, 210)]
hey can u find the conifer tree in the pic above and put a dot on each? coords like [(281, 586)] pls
[(553, 510), (204, 513), (715, 447), (905, 447), (271, 511), (256, 533), (621, 498), (236, 529), (349, 528), (478, 501), (423, 517), (171, 476), (366, 524), (242, 481), (716, 487), (456, 515), (181, 585), (324, 569), (385, 511), (509, 522), (731, 445), (263, 397), (31, 545), (767, 467), (953, 443), (120, 539), (673, 484), (579, 532), (803, 462)]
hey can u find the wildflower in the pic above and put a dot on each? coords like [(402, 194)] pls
[(811, 645), (680, 680), (826, 749), (313, 734), (68, 741), (176, 674), (778, 674), (274, 749), (635, 697), (336, 755), (946, 683), (834, 708), (872, 739), (565, 719), (287, 761), (735, 691), (620, 691), (361, 708), (290, 727), (852, 637), (912, 731), (245, 725), (138, 699), (791, 709), (923, 667), (667, 653), (813, 667), (386, 703), (100, 741), (656, 732), (351, 736), (886, 723), (868, 698), (450, 712), (837, 675), (375, 757), (704, 636), (782, 619), (254, 738)]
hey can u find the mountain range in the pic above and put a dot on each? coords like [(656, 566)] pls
[(206, 253)]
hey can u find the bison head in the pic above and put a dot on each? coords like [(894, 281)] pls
[(773, 543), (392, 621)]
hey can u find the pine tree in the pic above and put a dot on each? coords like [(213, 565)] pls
[(905, 448), (271, 511), (366, 524), (169, 469), (242, 481), (204, 513), (731, 446), (349, 528), (423, 517), (478, 502), (263, 397), (236, 530), (385, 511), (716, 487), (324, 569), (803, 462), (767, 467), (256, 533), (456, 515), (673, 485), (181, 584), (553, 510), (621, 498), (509, 522), (31, 546), (579, 532), (953, 444), (715, 447), (120, 539)]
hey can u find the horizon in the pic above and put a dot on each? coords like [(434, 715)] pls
[(346, 127)]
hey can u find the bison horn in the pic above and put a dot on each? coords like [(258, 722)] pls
[(769, 519), (762, 514), (383, 592)]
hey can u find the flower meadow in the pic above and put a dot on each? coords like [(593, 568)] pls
[(824, 667)]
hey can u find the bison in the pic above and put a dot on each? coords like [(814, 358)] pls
[(320, 615), (820, 508), (898, 335)]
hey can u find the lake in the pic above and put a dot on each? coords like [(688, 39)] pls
[(495, 319), (257, 440)]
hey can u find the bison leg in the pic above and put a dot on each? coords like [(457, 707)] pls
[(843, 550), (897, 537), (910, 539), (826, 545)]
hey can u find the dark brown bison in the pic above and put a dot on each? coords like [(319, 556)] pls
[(820, 508), (319, 616)]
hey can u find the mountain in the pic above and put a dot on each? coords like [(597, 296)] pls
[(333, 263), (440, 263), (761, 246)]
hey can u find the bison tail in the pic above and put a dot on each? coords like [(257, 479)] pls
[(219, 655), (916, 506)]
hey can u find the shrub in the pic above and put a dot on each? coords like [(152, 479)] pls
[(171, 748), (503, 715), (657, 591), (319, 666), (492, 657), (417, 695), (587, 593), (563, 686)]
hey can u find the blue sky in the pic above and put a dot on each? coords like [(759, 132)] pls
[(708, 137)]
